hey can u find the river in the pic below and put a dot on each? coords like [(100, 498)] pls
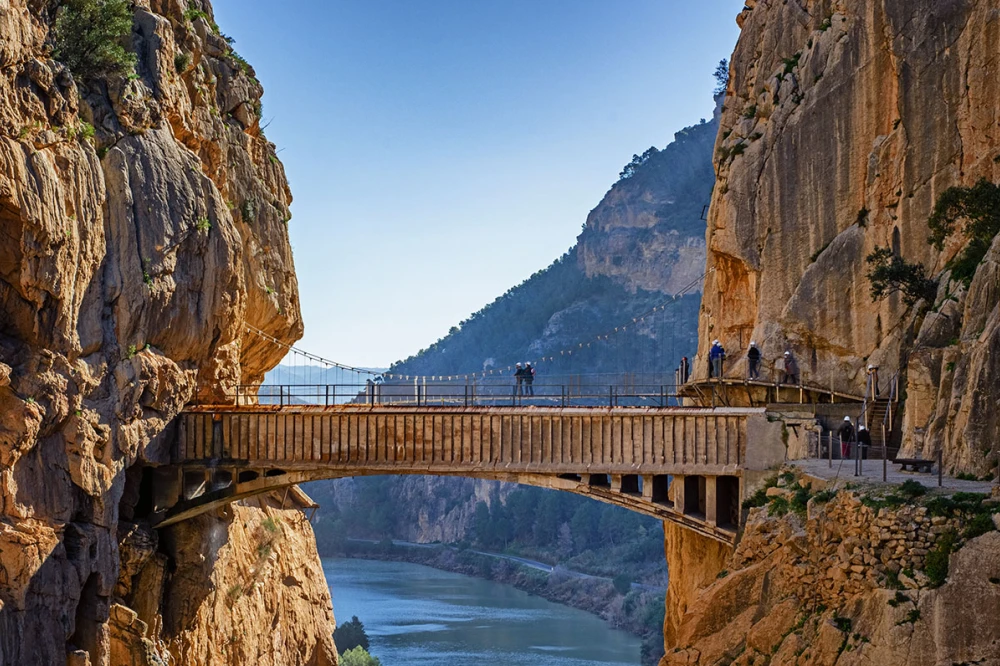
[(415, 615)]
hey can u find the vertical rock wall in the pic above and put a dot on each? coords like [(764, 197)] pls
[(843, 122), (142, 226)]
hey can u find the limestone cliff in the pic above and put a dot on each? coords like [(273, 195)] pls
[(143, 225), (844, 121), (851, 582)]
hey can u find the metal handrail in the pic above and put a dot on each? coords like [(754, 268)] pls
[(457, 394)]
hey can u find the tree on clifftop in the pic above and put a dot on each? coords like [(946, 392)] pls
[(721, 75), (90, 37)]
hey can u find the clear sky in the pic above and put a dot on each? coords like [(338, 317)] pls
[(441, 151)]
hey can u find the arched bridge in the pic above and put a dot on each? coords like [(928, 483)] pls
[(683, 464)]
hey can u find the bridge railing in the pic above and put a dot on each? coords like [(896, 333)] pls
[(462, 394)]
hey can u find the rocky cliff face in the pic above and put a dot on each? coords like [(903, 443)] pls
[(142, 221), (647, 231), (849, 583), (844, 122)]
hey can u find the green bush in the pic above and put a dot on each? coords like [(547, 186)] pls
[(979, 206), (181, 62), (350, 635), (912, 489), (889, 273), (622, 583), (358, 657), (89, 37), (936, 566), (980, 524)]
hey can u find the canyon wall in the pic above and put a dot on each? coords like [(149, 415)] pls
[(850, 578), (143, 227), (844, 121)]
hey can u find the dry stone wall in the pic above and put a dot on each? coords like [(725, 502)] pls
[(849, 582)]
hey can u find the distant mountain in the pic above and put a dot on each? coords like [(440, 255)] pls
[(640, 247)]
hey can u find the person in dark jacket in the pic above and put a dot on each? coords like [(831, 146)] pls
[(846, 433), (864, 440), (753, 359), (518, 379), (716, 357), (685, 369), (529, 379), (791, 375)]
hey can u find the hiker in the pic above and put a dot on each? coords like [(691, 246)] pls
[(873, 379), (846, 433), (753, 357), (791, 375), (864, 440), (518, 379), (716, 356), (685, 369), (529, 378)]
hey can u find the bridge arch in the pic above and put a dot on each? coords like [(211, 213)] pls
[(676, 464)]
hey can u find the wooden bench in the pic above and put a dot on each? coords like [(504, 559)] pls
[(916, 464)]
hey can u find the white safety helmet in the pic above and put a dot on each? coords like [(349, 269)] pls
[(861, 427), (528, 364), (517, 365), (847, 418), (788, 353), (753, 344), (716, 343)]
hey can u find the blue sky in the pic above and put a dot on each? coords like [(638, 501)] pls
[(441, 151)]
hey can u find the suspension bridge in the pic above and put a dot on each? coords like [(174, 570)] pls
[(682, 453)]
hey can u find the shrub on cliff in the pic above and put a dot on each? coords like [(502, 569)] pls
[(358, 657), (89, 37), (350, 635), (889, 273), (979, 206)]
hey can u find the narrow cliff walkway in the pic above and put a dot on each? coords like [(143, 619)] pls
[(842, 471)]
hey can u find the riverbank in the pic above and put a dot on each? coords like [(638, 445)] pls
[(639, 611)]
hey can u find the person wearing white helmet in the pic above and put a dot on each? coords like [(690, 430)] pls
[(791, 375), (753, 361), (716, 356), (529, 378), (864, 440), (846, 433), (518, 379)]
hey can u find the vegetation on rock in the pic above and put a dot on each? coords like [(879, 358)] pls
[(89, 37), (889, 273), (351, 635), (979, 206), (358, 657)]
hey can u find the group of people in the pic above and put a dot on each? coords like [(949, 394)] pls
[(524, 378), (717, 357), (848, 436)]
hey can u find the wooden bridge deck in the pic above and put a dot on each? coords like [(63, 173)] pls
[(469, 439)]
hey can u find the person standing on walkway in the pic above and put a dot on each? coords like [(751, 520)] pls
[(716, 357), (518, 379), (753, 359), (846, 433), (873, 380), (529, 378), (864, 440), (685, 369), (791, 375)]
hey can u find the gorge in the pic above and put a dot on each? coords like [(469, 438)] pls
[(144, 229)]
